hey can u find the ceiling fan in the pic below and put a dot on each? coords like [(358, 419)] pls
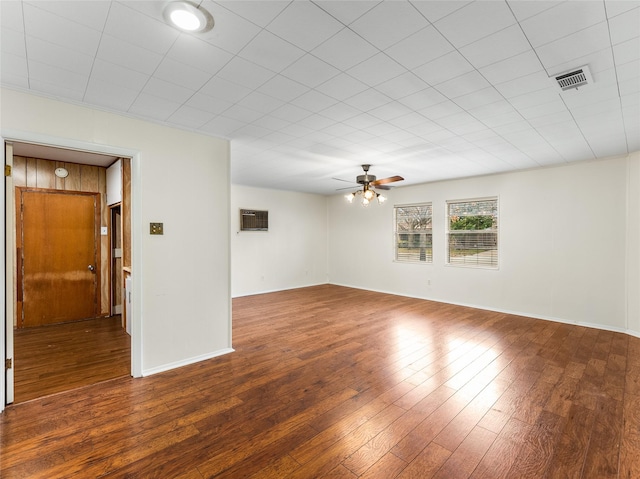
[(369, 182)]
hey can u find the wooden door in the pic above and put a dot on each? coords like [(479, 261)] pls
[(58, 278)]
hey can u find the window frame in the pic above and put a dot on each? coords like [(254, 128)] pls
[(396, 235), (493, 265)]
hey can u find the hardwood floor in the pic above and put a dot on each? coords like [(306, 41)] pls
[(55, 358), (332, 382)]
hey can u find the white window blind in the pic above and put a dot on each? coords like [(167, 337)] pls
[(413, 231), (472, 232)]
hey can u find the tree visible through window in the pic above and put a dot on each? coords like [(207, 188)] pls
[(413, 230), (472, 232)]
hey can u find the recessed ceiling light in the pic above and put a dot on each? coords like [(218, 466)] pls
[(188, 17)]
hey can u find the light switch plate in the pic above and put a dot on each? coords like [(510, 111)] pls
[(156, 228), (104, 231)]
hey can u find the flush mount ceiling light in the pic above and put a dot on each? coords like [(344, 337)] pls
[(188, 17)]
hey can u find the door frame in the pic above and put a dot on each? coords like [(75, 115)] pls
[(8, 262)]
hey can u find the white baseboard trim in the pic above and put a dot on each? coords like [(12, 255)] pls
[(604, 327), (186, 362), (266, 291)]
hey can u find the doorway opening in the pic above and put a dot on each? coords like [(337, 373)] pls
[(67, 330)]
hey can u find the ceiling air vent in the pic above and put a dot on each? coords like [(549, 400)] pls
[(574, 79)]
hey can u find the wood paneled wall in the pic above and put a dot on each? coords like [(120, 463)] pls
[(39, 173)]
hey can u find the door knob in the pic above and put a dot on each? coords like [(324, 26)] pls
[(92, 268)]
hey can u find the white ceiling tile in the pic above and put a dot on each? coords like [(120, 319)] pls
[(151, 106), (313, 101), (375, 27), (496, 47), (421, 47), (543, 109), (462, 85), (597, 62), (13, 70), (375, 70), (625, 26), (423, 99), (60, 31), (340, 112), (226, 90), (440, 110), (12, 42), (222, 127), (626, 52), (523, 10), (342, 87), (362, 121), (409, 120), (291, 112), (60, 57), (502, 119), (11, 16), (305, 24), (512, 127), (169, 91), (245, 73), (515, 67), (207, 103), (628, 71), (553, 119), (310, 71), (230, 32), (178, 73), (90, 14), (190, 117), (479, 98), (282, 88), (444, 68), (118, 75), (260, 102), (316, 122), (110, 95), (199, 54), (562, 20), (68, 81), (435, 10), (616, 7), (368, 100), (402, 86), (295, 130), (475, 21), (346, 12), (627, 87), (345, 50), (523, 86), (271, 52), (133, 57), (257, 11), (587, 41), (390, 111), (138, 29), (243, 114)]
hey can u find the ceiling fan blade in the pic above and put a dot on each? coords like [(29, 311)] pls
[(384, 181), (382, 187), (354, 187), (340, 179)]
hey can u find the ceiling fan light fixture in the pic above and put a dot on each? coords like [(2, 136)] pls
[(188, 17)]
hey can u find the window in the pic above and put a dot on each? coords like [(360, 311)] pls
[(413, 233), (253, 220), (472, 232)]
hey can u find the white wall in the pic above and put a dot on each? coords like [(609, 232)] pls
[(566, 240), (633, 245), (292, 254), (182, 305)]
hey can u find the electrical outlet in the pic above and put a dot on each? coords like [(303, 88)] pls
[(156, 228)]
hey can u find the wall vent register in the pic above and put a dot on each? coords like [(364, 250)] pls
[(254, 220)]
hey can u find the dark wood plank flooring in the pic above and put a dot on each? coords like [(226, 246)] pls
[(55, 358), (332, 382)]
